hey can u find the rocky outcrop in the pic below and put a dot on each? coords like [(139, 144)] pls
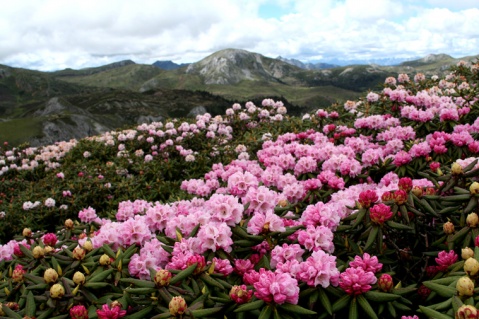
[(231, 66)]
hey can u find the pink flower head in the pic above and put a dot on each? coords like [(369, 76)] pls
[(367, 263), (79, 312), (434, 166), (446, 259), (87, 215), (400, 197), (356, 281), (277, 288), (367, 198), (201, 263), (113, 313), (243, 266), (380, 213), (405, 184), (50, 239), (222, 266)]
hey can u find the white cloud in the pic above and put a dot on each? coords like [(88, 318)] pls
[(53, 34)]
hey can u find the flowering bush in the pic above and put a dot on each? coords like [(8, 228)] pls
[(367, 210)]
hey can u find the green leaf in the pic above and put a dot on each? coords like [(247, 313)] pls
[(100, 276), (456, 198), (372, 237), (380, 296), (140, 314), (138, 282), (46, 314), (433, 313), (444, 291), (183, 274), (30, 307), (458, 235), (266, 312), (96, 285), (325, 301), (207, 279), (250, 306), (399, 226), (296, 309), (26, 251), (10, 313), (140, 291), (471, 205), (353, 309), (341, 303), (366, 307), (205, 312), (446, 304)]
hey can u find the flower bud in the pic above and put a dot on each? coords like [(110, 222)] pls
[(88, 246), (2, 313), (385, 282), (240, 294), (283, 203), (50, 275), (467, 253), (474, 188), (78, 278), (448, 228), (456, 168), (57, 291), (177, 306), (465, 286), (78, 253), (18, 272), (472, 220), (416, 190), (27, 232), (400, 197), (48, 249), (78, 312), (466, 312), (471, 266), (105, 260), (38, 252), (69, 224), (162, 277)]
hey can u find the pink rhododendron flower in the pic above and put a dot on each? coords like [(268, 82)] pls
[(356, 281), (215, 236), (281, 254), (318, 269), (222, 266), (50, 239), (380, 213), (87, 215), (446, 259), (269, 222), (316, 238), (277, 288), (113, 313), (367, 198), (367, 263)]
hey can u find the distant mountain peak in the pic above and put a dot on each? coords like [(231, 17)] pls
[(230, 66), (169, 65)]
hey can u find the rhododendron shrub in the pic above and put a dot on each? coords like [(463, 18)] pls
[(364, 209)]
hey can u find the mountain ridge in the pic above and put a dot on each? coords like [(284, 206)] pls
[(91, 100)]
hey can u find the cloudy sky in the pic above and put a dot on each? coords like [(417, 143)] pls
[(58, 34)]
